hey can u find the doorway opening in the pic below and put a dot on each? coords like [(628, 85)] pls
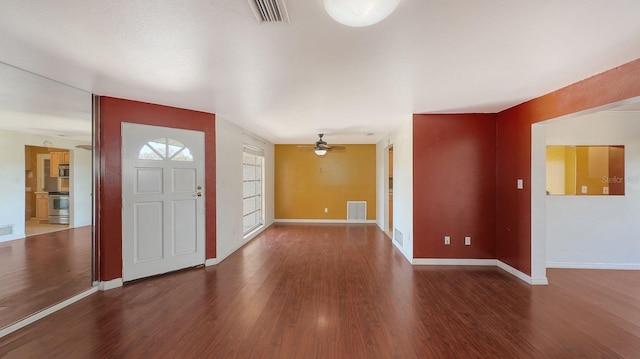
[(43, 182)]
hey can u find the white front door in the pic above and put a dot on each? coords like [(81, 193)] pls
[(163, 216)]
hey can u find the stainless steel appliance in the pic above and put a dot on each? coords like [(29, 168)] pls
[(59, 207), (63, 171)]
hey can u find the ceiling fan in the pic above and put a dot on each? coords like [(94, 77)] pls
[(321, 147)]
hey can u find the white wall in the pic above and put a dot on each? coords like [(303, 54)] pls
[(229, 141), (12, 180), (80, 187), (402, 141), (597, 231)]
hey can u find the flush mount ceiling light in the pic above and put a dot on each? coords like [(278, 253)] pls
[(358, 13)]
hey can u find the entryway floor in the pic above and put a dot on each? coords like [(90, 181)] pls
[(34, 227)]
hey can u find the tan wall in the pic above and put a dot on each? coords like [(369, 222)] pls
[(306, 184)]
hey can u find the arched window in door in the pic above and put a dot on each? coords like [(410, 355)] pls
[(163, 149)]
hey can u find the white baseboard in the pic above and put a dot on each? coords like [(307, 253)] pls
[(574, 265), (211, 262), (524, 277), (110, 284), (43, 313), (340, 221), (539, 281), (480, 262), (453, 262)]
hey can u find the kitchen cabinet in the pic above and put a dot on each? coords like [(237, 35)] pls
[(42, 206), (54, 162), (57, 158)]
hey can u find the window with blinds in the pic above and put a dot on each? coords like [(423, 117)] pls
[(252, 188)]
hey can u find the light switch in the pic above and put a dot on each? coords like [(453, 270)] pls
[(447, 240), (520, 184)]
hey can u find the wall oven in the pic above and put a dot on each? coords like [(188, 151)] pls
[(59, 207)]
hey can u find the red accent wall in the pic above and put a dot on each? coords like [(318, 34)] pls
[(113, 112), (454, 185), (513, 228)]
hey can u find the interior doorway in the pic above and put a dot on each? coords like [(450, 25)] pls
[(42, 177)]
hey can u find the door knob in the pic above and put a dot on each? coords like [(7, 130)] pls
[(199, 194)]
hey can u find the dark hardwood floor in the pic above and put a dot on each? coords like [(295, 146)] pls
[(42, 270), (343, 291)]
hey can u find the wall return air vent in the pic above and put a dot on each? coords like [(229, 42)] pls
[(357, 211), (269, 11)]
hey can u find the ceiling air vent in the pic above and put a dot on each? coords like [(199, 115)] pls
[(269, 11)]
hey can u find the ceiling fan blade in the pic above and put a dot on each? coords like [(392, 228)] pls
[(307, 146), (339, 148)]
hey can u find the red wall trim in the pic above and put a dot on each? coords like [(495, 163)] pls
[(454, 185), (112, 113), (513, 228)]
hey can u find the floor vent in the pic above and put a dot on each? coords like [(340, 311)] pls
[(357, 211), (6, 230), (269, 11), (397, 236)]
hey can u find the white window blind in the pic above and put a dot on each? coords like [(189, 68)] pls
[(252, 188)]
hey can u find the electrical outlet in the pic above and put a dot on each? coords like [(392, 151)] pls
[(584, 189), (447, 240), (467, 241), (326, 210)]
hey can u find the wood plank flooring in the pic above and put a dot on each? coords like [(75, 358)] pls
[(343, 291), (42, 270)]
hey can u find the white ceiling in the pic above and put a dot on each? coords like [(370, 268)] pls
[(287, 82)]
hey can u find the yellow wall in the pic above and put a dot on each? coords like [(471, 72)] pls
[(556, 170), (306, 184), (592, 165), (570, 170)]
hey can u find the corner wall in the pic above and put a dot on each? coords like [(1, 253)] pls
[(514, 134), (454, 176), (229, 148)]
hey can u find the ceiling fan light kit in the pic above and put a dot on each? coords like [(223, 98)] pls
[(321, 147), (359, 13)]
